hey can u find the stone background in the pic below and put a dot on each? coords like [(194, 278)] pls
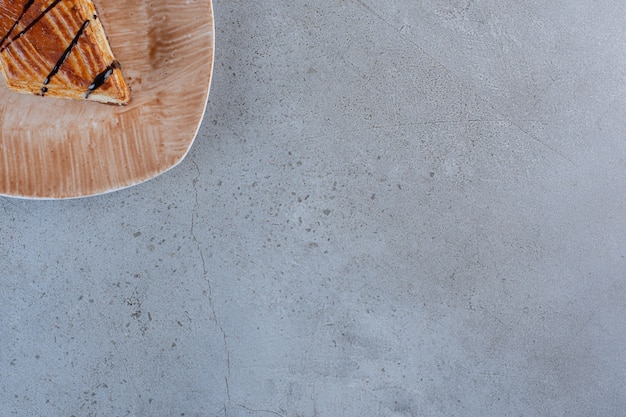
[(393, 208)]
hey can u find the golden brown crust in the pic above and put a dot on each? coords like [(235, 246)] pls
[(58, 48)]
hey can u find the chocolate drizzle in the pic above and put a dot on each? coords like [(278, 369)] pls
[(31, 24), (102, 78), (31, 12), (26, 7), (63, 57)]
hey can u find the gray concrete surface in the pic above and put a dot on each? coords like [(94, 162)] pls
[(393, 208)]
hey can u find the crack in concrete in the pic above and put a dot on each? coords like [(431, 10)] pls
[(258, 410), (205, 274)]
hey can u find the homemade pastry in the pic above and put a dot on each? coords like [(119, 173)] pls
[(58, 48)]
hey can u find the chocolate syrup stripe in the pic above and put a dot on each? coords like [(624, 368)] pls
[(102, 78), (98, 81), (64, 56), (26, 7), (31, 24)]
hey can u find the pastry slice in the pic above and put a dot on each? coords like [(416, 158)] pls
[(58, 48)]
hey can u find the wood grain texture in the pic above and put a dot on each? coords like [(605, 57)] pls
[(58, 148)]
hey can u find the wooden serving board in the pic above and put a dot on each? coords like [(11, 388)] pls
[(57, 148)]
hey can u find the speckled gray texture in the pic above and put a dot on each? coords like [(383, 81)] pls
[(393, 208)]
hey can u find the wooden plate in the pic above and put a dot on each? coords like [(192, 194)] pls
[(56, 148)]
